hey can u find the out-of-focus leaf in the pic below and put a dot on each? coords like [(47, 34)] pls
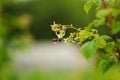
[(88, 5), (104, 62), (102, 13), (101, 42), (106, 37), (117, 4), (99, 22), (118, 43), (88, 49), (98, 2), (116, 27), (110, 47), (114, 12)]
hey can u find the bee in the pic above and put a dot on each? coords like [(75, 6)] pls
[(57, 40)]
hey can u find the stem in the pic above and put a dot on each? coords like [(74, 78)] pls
[(72, 27), (104, 4), (109, 19)]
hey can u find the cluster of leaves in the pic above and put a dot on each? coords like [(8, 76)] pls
[(90, 41)]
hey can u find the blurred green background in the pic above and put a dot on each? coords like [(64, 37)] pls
[(24, 21), (43, 12)]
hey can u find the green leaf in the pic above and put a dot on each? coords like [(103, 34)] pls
[(88, 5), (106, 37), (116, 27), (110, 47), (99, 22), (101, 42), (88, 49), (118, 43), (105, 62), (103, 13), (98, 2)]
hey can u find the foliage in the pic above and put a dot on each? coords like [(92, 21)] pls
[(89, 40), (13, 35)]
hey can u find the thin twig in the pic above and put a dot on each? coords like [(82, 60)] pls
[(72, 27)]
